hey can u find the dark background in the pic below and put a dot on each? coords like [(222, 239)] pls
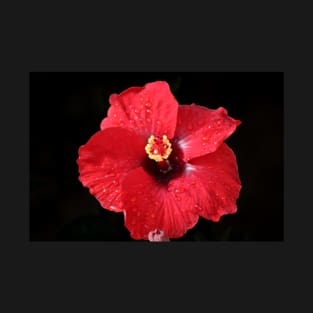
[(66, 110)]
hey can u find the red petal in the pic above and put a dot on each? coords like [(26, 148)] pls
[(105, 160), (201, 131), (216, 181), (149, 205), (148, 110)]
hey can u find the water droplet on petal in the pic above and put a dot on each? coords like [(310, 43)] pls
[(179, 190)]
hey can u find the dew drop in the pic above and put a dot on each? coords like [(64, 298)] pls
[(197, 207), (114, 182), (147, 104), (158, 122), (179, 190), (116, 191), (115, 115), (104, 190), (148, 111)]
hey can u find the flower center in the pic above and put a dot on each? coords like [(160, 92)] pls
[(165, 169), (158, 149)]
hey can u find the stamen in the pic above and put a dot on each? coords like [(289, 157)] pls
[(158, 149)]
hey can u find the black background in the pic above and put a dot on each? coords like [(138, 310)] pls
[(66, 110)]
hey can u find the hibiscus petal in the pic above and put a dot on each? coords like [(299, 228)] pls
[(216, 179), (150, 205), (105, 160), (148, 110), (201, 130)]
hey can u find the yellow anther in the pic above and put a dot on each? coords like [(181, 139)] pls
[(158, 149)]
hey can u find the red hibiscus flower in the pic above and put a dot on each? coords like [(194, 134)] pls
[(160, 163)]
